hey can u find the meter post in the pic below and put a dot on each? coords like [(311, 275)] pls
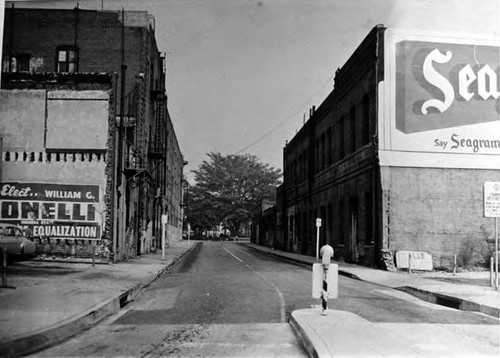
[(326, 259)]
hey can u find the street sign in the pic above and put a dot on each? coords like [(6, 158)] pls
[(492, 199), (492, 210), (318, 225)]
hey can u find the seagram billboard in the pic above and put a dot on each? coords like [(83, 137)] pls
[(440, 101)]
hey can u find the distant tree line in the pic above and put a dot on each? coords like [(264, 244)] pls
[(228, 189)]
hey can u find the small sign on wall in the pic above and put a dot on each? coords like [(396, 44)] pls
[(492, 199)]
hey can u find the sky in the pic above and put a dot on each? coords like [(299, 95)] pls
[(243, 74)]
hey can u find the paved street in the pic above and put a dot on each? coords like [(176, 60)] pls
[(228, 300)]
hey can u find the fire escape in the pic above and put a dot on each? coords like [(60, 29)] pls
[(136, 163), (157, 149)]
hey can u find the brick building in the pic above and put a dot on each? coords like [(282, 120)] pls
[(148, 163), (389, 161)]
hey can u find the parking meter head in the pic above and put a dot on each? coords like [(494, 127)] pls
[(326, 253)]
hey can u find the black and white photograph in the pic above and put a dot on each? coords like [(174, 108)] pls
[(249, 178)]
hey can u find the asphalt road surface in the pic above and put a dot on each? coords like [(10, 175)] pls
[(226, 300)]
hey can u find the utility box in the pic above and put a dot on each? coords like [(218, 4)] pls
[(332, 280), (417, 260)]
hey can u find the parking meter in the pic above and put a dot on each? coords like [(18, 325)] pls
[(326, 253), (325, 278)]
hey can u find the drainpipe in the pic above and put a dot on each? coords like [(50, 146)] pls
[(11, 37), (119, 174), (77, 18), (377, 180), (2, 18)]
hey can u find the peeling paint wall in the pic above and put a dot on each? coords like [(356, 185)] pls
[(59, 137)]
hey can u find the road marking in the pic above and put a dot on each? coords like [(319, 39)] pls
[(280, 294), (233, 255)]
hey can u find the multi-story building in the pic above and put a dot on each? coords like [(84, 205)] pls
[(396, 156), (145, 183)]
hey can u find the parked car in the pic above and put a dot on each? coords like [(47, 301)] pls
[(15, 241)]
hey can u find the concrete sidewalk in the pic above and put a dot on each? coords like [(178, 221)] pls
[(467, 291), (53, 301)]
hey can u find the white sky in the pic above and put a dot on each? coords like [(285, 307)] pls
[(242, 73)]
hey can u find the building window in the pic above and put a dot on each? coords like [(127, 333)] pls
[(341, 223), (316, 156), (341, 138), (5, 64), (322, 153), (323, 217), (329, 223), (18, 63), (23, 62), (369, 218), (366, 119), (329, 147), (353, 129), (303, 166), (67, 59)]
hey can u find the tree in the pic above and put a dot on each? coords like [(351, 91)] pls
[(228, 189), (201, 214)]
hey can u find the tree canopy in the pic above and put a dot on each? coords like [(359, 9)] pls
[(228, 189)]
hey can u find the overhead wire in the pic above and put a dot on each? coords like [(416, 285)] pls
[(288, 118)]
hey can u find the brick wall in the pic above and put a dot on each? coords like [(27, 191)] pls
[(97, 35), (439, 211)]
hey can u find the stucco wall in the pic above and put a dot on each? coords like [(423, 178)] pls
[(80, 115), (22, 113), (33, 120)]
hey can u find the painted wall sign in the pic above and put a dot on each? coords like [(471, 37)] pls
[(441, 95), (51, 210), (443, 85)]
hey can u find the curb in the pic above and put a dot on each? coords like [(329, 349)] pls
[(428, 296), (450, 301), (45, 338), (303, 338), (284, 258)]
